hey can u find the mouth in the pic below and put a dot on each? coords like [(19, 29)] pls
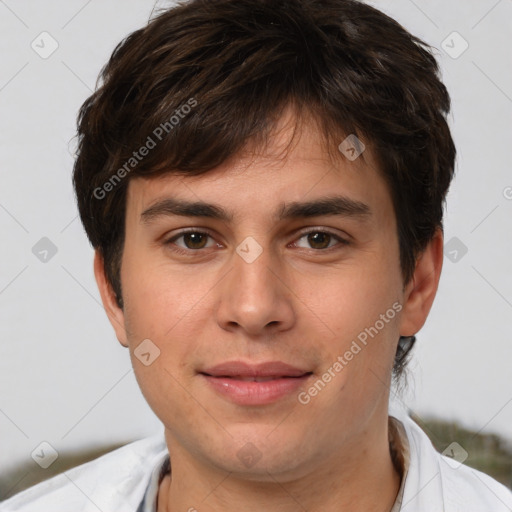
[(242, 370), (244, 378), (256, 379), (246, 384)]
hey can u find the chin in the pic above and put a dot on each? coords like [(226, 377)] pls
[(261, 454)]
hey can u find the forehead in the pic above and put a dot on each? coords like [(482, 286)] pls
[(289, 170)]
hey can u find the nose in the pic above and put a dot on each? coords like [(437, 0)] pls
[(254, 296)]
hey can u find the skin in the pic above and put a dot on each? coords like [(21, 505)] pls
[(298, 302)]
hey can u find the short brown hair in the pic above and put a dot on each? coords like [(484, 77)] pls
[(235, 65)]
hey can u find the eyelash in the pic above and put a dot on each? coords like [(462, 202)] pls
[(180, 250)]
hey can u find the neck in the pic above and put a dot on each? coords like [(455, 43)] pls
[(361, 477)]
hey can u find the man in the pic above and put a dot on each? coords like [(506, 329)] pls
[(263, 183)]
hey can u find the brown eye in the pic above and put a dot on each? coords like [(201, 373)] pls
[(195, 240), (190, 241), (319, 240)]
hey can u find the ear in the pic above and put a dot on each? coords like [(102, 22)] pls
[(422, 288), (114, 312)]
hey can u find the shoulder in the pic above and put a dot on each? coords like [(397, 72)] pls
[(114, 481), (467, 489), (438, 482)]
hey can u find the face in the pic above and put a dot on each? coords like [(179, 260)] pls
[(292, 262)]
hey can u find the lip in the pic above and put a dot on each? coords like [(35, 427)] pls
[(242, 369), (231, 380)]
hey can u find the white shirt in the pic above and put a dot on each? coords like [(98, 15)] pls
[(127, 480)]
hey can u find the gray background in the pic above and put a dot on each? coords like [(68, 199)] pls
[(65, 379)]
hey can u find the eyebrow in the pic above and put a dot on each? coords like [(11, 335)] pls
[(332, 205)]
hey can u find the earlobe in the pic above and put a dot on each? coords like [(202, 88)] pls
[(114, 313), (421, 290)]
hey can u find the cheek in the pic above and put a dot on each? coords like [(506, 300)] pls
[(165, 391), (158, 298), (166, 309), (363, 310), (356, 299)]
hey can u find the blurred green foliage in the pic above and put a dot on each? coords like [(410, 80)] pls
[(488, 453)]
